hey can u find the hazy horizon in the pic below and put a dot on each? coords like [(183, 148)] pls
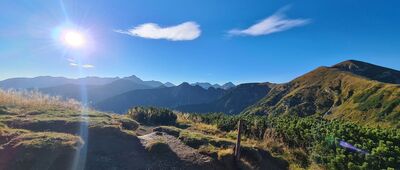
[(174, 82)]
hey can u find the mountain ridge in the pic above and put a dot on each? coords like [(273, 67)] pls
[(52, 81), (234, 101), (333, 92), (207, 85), (371, 71), (169, 97)]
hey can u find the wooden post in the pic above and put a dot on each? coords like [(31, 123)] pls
[(237, 148)]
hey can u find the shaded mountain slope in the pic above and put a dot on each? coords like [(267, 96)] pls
[(137, 80), (94, 93), (234, 101), (334, 93), (169, 97)]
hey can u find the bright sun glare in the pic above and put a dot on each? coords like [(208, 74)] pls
[(73, 39)]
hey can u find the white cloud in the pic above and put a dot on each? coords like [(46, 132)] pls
[(272, 24), (88, 66), (182, 32), (82, 66)]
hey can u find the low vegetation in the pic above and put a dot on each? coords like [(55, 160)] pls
[(219, 144), (310, 140), (152, 115)]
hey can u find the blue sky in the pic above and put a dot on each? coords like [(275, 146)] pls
[(185, 40)]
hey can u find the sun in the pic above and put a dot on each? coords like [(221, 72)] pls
[(73, 38)]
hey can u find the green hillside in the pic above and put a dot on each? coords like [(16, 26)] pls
[(333, 93)]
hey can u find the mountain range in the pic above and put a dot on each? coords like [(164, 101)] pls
[(168, 97), (206, 85), (234, 101), (351, 90), (48, 81), (97, 89)]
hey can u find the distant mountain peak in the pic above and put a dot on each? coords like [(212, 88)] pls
[(353, 65), (184, 84), (134, 78), (206, 85), (169, 84), (228, 85)]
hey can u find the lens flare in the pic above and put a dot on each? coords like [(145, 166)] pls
[(73, 38), (351, 147)]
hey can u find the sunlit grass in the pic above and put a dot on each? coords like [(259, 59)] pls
[(35, 99)]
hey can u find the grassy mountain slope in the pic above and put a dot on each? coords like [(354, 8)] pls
[(335, 93), (234, 101)]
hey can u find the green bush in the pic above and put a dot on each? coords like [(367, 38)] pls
[(319, 138), (152, 115)]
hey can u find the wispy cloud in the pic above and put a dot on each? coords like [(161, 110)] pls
[(272, 24), (87, 66), (182, 32), (73, 64)]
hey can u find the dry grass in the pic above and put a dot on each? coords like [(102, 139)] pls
[(212, 131), (31, 108), (273, 143), (183, 118), (35, 99), (205, 128), (296, 157), (225, 152), (45, 139)]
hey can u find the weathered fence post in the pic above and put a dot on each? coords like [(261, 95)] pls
[(237, 148)]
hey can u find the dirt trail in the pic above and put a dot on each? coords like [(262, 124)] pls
[(144, 130), (182, 151)]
